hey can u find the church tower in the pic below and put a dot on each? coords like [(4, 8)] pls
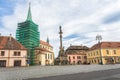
[(47, 40), (28, 35)]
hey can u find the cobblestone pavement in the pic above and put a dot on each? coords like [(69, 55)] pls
[(45, 71), (113, 74)]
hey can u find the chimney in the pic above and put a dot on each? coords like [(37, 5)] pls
[(10, 37)]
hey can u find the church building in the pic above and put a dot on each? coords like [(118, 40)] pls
[(44, 54), (28, 35)]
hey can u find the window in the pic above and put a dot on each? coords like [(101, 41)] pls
[(88, 54), (17, 53), (45, 56), (78, 57), (48, 56), (85, 57), (95, 61), (2, 53), (91, 53), (43, 47), (69, 57), (96, 52), (51, 56), (107, 52), (73, 57), (114, 51)]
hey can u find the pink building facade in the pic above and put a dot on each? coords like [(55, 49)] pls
[(77, 58), (77, 54)]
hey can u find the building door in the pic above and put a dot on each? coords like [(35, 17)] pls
[(2, 63), (79, 62), (47, 62), (109, 61), (17, 63)]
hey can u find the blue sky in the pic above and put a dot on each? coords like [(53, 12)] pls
[(81, 20), (6, 8)]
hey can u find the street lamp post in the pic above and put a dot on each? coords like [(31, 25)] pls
[(99, 39)]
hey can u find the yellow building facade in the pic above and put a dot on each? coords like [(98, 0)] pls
[(104, 53), (44, 54)]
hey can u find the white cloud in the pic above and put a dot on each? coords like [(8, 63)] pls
[(83, 17)]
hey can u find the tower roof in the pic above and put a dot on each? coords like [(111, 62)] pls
[(47, 40), (29, 16)]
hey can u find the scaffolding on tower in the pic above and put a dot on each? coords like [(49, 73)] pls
[(28, 35)]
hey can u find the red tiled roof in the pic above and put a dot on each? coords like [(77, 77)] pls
[(106, 45), (7, 42), (77, 47), (45, 43), (76, 50), (43, 49)]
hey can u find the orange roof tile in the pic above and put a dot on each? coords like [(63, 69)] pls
[(76, 50), (45, 43), (43, 49), (7, 42), (106, 45)]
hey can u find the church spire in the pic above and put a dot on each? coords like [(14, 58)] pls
[(29, 16), (47, 40)]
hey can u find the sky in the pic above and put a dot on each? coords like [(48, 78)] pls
[(81, 20)]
